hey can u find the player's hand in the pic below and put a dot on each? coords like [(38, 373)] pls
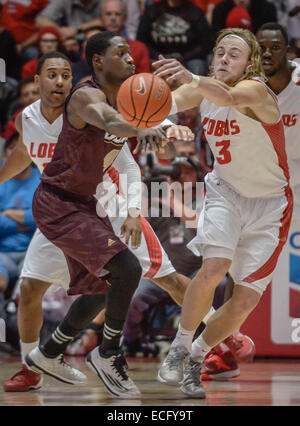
[(172, 71), (150, 139), (132, 228), (180, 133)]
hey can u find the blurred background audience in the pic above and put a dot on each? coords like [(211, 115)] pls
[(183, 29)]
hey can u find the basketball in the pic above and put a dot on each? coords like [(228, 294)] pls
[(144, 100)]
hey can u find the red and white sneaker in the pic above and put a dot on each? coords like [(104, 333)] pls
[(242, 347), (23, 381), (220, 364)]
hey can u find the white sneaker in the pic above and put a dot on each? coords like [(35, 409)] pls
[(112, 371), (171, 370), (192, 386), (54, 367)]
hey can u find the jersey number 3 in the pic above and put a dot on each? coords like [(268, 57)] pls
[(224, 156)]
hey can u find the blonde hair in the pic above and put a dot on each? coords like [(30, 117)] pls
[(254, 67)]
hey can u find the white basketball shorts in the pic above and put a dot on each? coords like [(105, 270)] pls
[(249, 231), (46, 262)]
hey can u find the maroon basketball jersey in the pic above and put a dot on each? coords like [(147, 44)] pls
[(81, 156)]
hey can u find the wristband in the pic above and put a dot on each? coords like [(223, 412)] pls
[(174, 108), (195, 82)]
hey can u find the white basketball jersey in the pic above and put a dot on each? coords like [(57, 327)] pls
[(39, 136), (289, 104), (249, 156)]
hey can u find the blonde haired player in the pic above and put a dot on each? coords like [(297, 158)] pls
[(248, 205)]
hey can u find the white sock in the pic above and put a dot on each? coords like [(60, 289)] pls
[(208, 315), (26, 348), (184, 337), (200, 349)]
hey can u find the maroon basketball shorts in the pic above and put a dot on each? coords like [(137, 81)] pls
[(87, 241)]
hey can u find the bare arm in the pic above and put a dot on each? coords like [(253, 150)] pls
[(247, 94), (98, 113), (45, 22), (19, 159)]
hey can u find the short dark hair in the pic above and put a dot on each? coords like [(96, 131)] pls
[(50, 56), (273, 26), (98, 44), (24, 82)]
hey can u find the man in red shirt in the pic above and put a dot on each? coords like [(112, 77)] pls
[(18, 18)]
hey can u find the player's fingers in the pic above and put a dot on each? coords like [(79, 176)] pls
[(158, 144), (136, 239), (175, 76), (186, 134), (161, 61), (137, 148), (127, 235), (151, 144), (168, 69)]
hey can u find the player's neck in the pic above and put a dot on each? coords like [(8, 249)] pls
[(51, 113), (280, 80), (110, 90)]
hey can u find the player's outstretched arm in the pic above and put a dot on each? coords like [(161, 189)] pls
[(246, 94), (19, 160), (88, 105)]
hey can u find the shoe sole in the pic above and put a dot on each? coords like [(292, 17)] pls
[(24, 389), (221, 376), (37, 369), (89, 362), (168, 383), (195, 396)]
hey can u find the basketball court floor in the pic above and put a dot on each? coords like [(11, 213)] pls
[(264, 382)]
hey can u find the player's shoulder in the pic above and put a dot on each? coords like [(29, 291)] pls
[(87, 94), (29, 114), (34, 108), (253, 83)]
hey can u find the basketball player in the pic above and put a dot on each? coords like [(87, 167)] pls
[(248, 205), (70, 181), (273, 41), (39, 127)]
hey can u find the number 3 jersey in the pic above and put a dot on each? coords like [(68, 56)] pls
[(249, 155)]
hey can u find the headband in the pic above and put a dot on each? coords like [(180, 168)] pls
[(238, 37)]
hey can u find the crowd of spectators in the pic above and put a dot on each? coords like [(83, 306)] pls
[(182, 29)]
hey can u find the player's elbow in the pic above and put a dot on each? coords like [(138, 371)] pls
[(228, 100)]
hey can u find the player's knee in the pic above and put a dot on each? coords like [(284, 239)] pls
[(213, 271), (134, 273), (244, 305), (31, 292)]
